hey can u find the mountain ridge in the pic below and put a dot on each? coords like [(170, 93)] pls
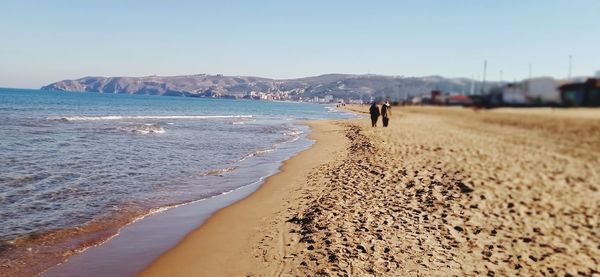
[(338, 85)]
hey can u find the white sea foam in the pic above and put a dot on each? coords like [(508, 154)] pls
[(118, 117), (144, 129), (219, 171), (294, 133), (257, 153)]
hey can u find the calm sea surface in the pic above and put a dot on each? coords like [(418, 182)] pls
[(75, 163)]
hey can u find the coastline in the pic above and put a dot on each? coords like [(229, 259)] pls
[(98, 225), (146, 239), (149, 236), (440, 192), (225, 243)]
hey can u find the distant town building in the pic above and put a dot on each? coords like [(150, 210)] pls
[(355, 101), (542, 89), (513, 94), (536, 91), (437, 98), (582, 94), (458, 99), (416, 100)]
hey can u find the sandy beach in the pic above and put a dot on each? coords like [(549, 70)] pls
[(251, 237), (442, 191)]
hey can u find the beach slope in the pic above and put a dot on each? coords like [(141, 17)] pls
[(442, 191), (248, 237)]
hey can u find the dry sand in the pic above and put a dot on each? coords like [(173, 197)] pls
[(442, 191)]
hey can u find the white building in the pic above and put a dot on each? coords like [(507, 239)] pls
[(536, 90), (544, 89), (514, 95), (355, 101)]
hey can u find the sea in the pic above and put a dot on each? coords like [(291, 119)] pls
[(75, 167)]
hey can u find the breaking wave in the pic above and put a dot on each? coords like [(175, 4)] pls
[(144, 129), (219, 171), (119, 117)]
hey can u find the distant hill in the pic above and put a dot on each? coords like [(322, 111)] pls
[(345, 86)]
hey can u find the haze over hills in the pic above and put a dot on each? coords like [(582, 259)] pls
[(343, 86)]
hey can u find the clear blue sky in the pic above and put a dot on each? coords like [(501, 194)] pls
[(46, 41)]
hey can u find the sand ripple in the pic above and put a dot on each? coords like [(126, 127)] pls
[(451, 194)]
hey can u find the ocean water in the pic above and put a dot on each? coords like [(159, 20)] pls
[(78, 164)]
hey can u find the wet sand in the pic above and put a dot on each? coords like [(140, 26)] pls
[(248, 237), (442, 191)]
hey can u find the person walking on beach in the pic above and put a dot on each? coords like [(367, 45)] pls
[(374, 111), (386, 112)]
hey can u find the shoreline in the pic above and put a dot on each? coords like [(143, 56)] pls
[(417, 197), (129, 240), (147, 238), (224, 243), (439, 192)]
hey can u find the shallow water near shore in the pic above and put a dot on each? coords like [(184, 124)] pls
[(146, 239), (78, 166)]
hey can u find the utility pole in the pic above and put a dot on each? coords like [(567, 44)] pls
[(483, 79), (472, 91), (529, 71), (570, 65)]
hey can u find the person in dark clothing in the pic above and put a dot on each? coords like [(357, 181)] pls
[(386, 112), (374, 111)]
